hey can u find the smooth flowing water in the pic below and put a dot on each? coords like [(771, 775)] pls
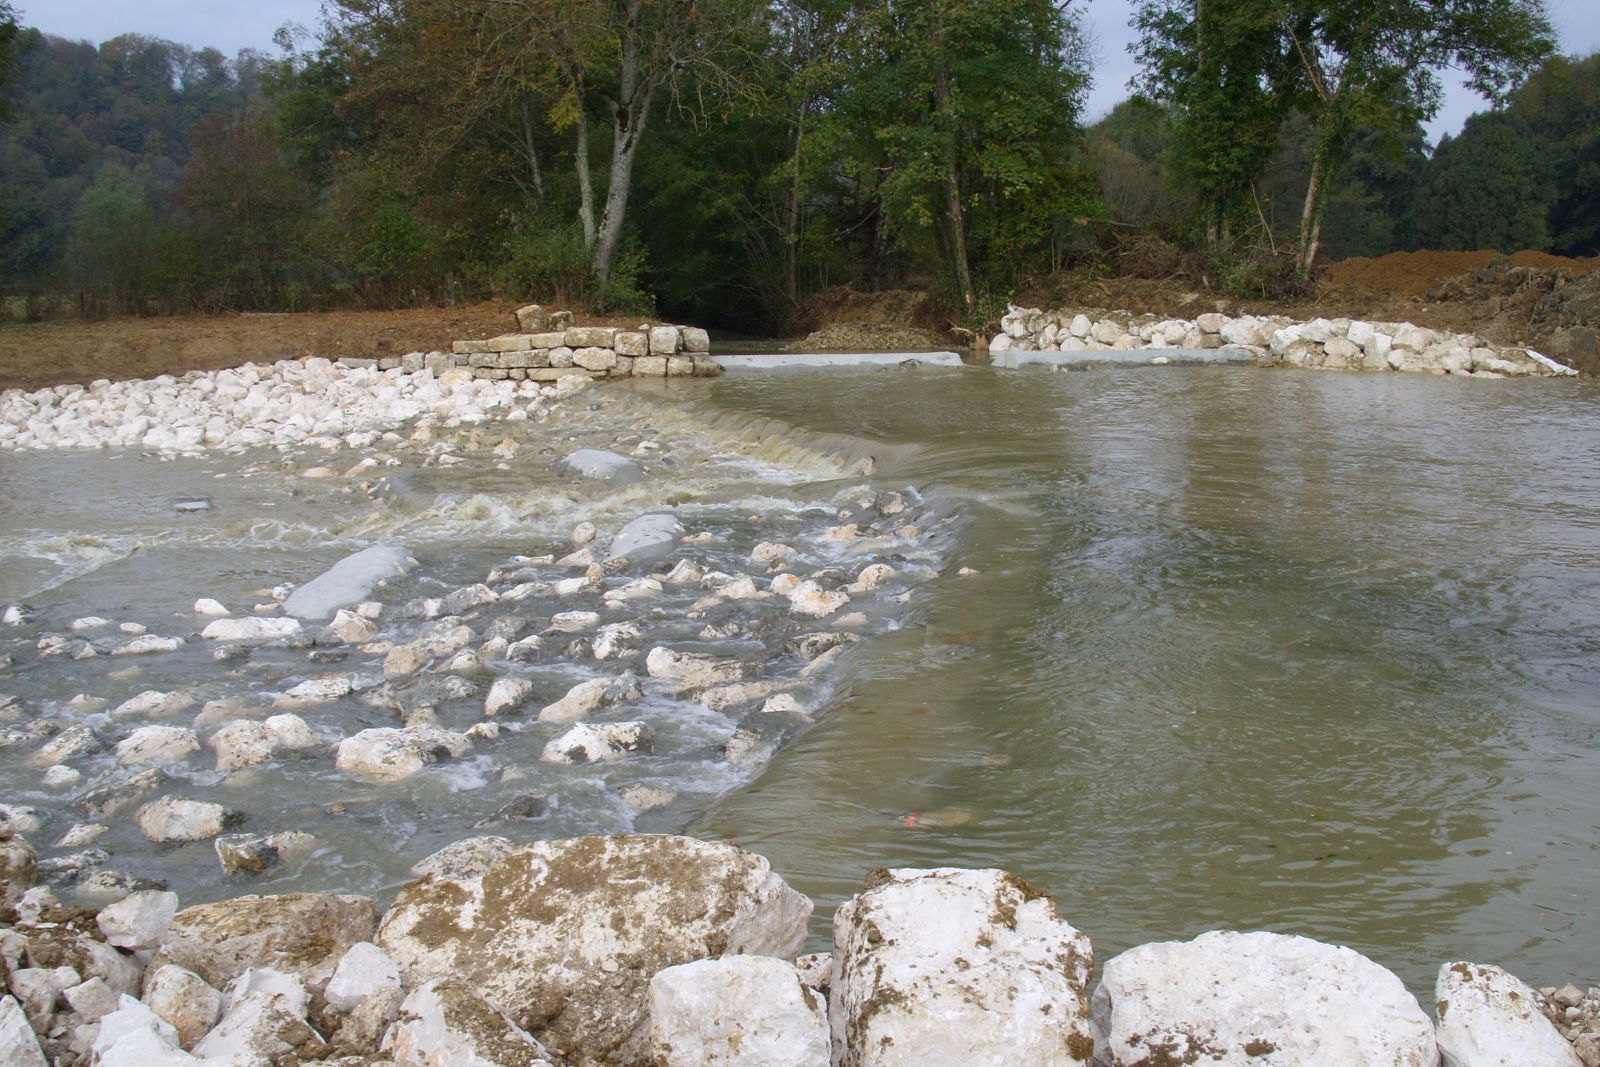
[(1306, 652), (1312, 653)]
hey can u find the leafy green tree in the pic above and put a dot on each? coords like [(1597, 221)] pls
[(1348, 64), (968, 110), (1488, 188), (111, 244), (1560, 104)]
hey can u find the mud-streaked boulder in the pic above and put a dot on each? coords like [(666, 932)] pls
[(957, 966), (18, 1045), (304, 934), (18, 866), (1490, 1018), (362, 971), (564, 936), (736, 1010), (184, 1001), (1231, 998), (448, 1022)]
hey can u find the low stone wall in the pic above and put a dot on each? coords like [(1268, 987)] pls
[(544, 355), (669, 951), (1321, 344)]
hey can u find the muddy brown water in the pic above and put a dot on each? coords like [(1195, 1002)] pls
[(1314, 653)]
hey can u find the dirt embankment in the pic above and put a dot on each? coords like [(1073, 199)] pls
[(1531, 298)]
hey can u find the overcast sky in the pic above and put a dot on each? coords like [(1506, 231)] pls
[(230, 25)]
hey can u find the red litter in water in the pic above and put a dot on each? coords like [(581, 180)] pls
[(913, 818)]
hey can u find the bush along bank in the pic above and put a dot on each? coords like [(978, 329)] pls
[(1321, 344), (637, 949)]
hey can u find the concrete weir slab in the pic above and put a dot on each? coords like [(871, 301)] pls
[(815, 360), (1136, 357)]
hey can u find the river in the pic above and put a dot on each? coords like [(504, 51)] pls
[(1316, 653)]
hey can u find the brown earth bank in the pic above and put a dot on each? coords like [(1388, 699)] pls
[(1530, 298)]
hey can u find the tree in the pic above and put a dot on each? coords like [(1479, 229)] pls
[(1221, 65), (968, 109), (9, 33), (1353, 63), (619, 58), (1488, 188), (1561, 106), (112, 243)]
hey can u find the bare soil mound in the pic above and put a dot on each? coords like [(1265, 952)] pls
[(894, 307), (1416, 274), (48, 353)]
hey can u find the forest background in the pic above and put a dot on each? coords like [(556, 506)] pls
[(722, 161)]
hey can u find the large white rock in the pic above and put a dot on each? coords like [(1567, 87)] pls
[(158, 745), (1490, 1018), (695, 671), (172, 819), (347, 582), (445, 1023), (257, 1028), (599, 465), (135, 1036), (564, 936), (586, 697), (1230, 998), (18, 1045), (506, 693), (957, 966), (362, 971), (253, 628), (736, 1010), (388, 754), (597, 742), (138, 920), (646, 539)]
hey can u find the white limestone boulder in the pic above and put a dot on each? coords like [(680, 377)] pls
[(564, 936), (252, 628), (361, 972), (18, 1045), (506, 694), (736, 1010), (1488, 1017), (347, 582), (156, 745), (139, 920), (957, 966), (599, 465), (135, 1036), (175, 819), (259, 1027), (446, 1023), (388, 754), (598, 742), (645, 540), (1232, 998), (18, 867), (695, 671)]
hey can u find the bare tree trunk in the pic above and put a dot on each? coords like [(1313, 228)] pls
[(585, 181), (628, 129), (530, 150), (1311, 213)]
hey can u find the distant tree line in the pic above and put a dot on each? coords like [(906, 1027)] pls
[(720, 160)]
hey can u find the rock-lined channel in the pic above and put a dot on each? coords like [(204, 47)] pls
[(395, 681)]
